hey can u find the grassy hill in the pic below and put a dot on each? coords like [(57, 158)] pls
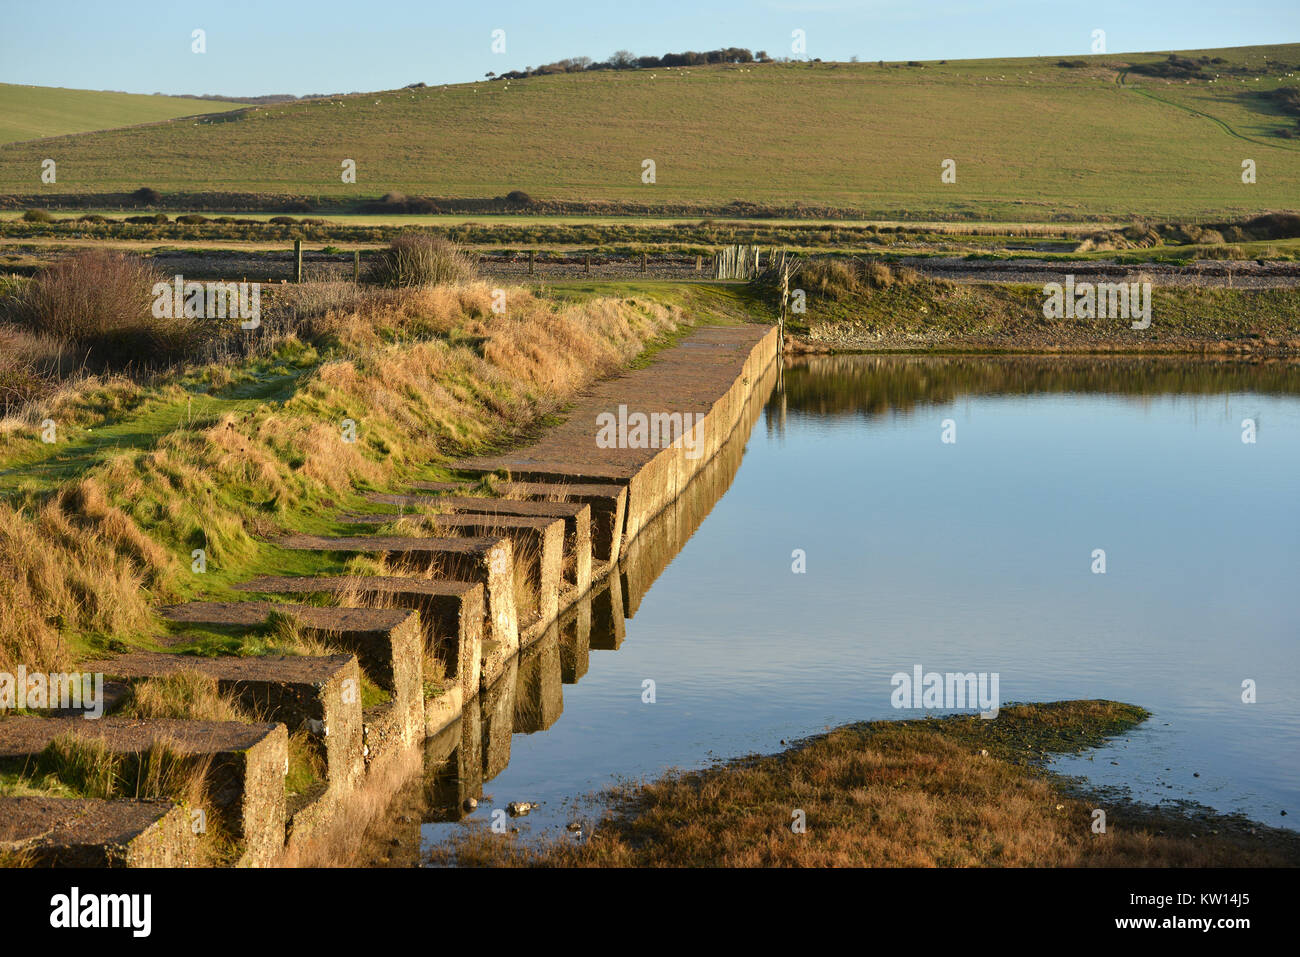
[(1033, 139), (32, 112)]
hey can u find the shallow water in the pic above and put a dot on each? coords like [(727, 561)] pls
[(970, 556)]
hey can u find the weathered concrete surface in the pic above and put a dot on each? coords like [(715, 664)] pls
[(245, 764), (321, 694), (452, 613), (608, 502), (576, 516), (72, 832), (710, 374), (388, 643), (538, 548), (487, 560)]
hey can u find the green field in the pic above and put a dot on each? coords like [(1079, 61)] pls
[(33, 112), (1032, 140)]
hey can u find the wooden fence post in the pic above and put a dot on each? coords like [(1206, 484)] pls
[(586, 264), (356, 267), (643, 263), (297, 256), (531, 254)]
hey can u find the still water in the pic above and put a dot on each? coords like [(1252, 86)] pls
[(973, 555)]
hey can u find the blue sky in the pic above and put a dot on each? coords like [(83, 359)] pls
[(339, 46)]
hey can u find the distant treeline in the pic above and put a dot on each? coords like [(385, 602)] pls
[(625, 60)]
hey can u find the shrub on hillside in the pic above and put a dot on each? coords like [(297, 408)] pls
[(1273, 226), (829, 278), (145, 196), (37, 216), (840, 279), (418, 259), (102, 302), (401, 203)]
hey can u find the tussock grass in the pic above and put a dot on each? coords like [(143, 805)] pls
[(419, 259), (843, 278), (955, 792), (307, 762), (187, 694), (85, 767)]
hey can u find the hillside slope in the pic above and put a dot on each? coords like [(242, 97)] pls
[(32, 112), (1032, 140)]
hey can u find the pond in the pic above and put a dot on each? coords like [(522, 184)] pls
[(1080, 528)]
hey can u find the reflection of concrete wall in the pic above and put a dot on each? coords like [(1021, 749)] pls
[(538, 695), (664, 536), (453, 765), (575, 641), (607, 627), (498, 709)]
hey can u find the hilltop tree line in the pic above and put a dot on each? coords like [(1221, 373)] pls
[(625, 60)]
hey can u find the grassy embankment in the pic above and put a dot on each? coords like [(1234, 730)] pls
[(1034, 139), (874, 307), (951, 792), (99, 526)]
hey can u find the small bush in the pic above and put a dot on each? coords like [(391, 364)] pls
[(92, 218), (830, 278), (418, 259), (517, 197), (37, 216), (157, 219), (144, 196), (1225, 252), (401, 203), (192, 219), (1273, 226), (879, 276), (103, 302)]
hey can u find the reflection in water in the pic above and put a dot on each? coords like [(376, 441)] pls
[(828, 386), (529, 697), (973, 556)]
